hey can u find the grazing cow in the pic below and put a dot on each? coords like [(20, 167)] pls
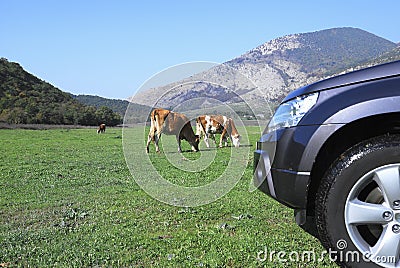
[(212, 124), (101, 129), (170, 123)]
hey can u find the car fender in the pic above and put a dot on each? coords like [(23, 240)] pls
[(348, 115)]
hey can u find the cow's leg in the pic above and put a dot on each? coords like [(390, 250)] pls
[(153, 136), (206, 140), (157, 134), (223, 138), (199, 128), (226, 141), (157, 137), (213, 137), (178, 140), (202, 133), (149, 139)]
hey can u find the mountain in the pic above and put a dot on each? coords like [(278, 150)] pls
[(26, 99), (265, 74), (325, 51), (138, 112), (392, 55)]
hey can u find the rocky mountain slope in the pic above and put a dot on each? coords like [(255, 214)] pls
[(392, 55), (264, 75)]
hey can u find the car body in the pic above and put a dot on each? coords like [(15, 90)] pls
[(312, 130)]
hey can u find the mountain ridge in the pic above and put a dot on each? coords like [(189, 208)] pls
[(317, 45), (273, 69)]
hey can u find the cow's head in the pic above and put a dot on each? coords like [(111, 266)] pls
[(236, 140), (195, 143)]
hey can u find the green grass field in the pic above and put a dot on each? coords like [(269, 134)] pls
[(67, 199)]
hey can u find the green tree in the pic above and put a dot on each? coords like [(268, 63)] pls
[(87, 116), (107, 116)]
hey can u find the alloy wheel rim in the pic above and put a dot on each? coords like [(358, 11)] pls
[(372, 215)]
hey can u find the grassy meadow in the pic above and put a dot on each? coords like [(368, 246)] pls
[(68, 199)]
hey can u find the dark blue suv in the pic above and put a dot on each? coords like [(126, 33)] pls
[(332, 153)]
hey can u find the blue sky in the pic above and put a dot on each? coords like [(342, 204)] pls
[(109, 48)]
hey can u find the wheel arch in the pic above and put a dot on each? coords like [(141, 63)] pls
[(343, 139)]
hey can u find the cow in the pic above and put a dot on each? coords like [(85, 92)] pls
[(101, 129), (171, 123), (217, 124)]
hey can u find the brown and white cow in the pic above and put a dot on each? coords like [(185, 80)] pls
[(101, 129), (209, 125), (170, 123)]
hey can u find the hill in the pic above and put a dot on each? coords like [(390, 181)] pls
[(118, 106), (138, 112), (26, 99), (268, 72)]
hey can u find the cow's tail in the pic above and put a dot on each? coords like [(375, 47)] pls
[(155, 115)]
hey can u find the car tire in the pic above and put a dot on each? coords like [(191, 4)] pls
[(358, 205)]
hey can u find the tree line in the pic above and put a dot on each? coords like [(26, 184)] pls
[(25, 99)]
